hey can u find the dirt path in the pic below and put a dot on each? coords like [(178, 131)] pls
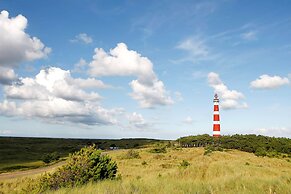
[(19, 174)]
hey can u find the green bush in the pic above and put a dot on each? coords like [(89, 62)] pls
[(83, 166), (48, 158), (184, 164), (158, 150), (260, 152), (131, 154), (209, 149)]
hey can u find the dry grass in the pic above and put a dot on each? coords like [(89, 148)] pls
[(219, 172)]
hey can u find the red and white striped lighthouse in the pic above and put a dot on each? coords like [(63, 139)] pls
[(216, 120)]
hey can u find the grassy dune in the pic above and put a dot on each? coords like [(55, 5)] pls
[(220, 172)]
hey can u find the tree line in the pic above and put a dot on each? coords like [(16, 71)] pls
[(258, 144)]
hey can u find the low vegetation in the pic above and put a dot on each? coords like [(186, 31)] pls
[(194, 164), (158, 149), (130, 154), (27, 153), (257, 144), (86, 165), (51, 157), (186, 170)]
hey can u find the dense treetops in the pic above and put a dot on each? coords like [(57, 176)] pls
[(258, 144)]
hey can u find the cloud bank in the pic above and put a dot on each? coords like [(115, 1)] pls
[(54, 95)]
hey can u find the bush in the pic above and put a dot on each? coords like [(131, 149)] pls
[(260, 152), (184, 164), (210, 149), (207, 151), (131, 154), (144, 163), (158, 150), (48, 158), (81, 167)]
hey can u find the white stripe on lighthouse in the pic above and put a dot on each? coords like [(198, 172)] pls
[(216, 103), (216, 112), (216, 122), (216, 132)]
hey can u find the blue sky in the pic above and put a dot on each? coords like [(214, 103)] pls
[(114, 69)]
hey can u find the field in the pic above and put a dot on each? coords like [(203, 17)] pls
[(230, 171), (26, 153)]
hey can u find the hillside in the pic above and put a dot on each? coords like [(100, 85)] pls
[(25, 153), (230, 171)]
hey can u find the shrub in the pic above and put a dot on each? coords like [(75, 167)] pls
[(260, 152), (207, 151), (184, 164), (210, 149), (81, 167), (48, 158), (131, 154), (158, 150), (144, 163)]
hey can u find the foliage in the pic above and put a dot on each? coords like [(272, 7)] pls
[(257, 144), (144, 163), (159, 149), (211, 148), (131, 154), (23, 152), (184, 164), (51, 157), (86, 165)]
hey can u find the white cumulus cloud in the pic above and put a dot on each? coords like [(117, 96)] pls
[(54, 95), (231, 99), (148, 90), (269, 82), (121, 62), (15, 44), (150, 94)]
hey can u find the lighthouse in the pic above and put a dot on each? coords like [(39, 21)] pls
[(216, 119)]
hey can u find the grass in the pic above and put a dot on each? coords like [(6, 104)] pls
[(218, 172), (26, 153), (21, 166)]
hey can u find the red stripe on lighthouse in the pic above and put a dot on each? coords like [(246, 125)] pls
[(216, 108), (216, 118)]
